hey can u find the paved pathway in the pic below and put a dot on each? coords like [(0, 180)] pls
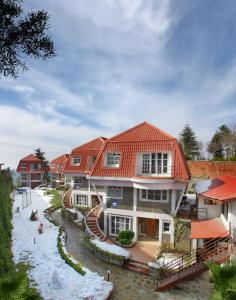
[(129, 285)]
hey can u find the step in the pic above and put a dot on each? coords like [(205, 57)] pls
[(135, 268)]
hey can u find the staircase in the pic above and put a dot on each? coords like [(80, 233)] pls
[(91, 223), (136, 266), (217, 250), (67, 198)]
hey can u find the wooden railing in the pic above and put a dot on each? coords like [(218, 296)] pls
[(212, 250)]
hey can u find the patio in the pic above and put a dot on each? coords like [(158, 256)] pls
[(144, 251)]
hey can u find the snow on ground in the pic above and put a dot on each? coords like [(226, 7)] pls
[(111, 248), (54, 278)]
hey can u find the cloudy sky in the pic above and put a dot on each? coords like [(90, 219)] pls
[(119, 63)]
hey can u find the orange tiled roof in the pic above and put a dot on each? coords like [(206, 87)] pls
[(31, 157), (141, 138), (92, 148), (208, 229), (60, 160), (222, 188)]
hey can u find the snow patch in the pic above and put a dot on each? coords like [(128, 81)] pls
[(54, 278), (114, 249)]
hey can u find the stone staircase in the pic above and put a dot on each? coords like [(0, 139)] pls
[(136, 266), (217, 250)]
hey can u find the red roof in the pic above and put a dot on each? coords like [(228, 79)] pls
[(27, 161), (208, 229), (222, 188), (85, 151), (57, 162), (31, 157), (141, 138)]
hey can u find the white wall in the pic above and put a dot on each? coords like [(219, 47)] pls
[(213, 211), (232, 219)]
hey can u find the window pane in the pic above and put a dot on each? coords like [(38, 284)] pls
[(164, 194), (146, 164)]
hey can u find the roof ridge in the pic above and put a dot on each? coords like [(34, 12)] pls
[(100, 138), (139, 125)]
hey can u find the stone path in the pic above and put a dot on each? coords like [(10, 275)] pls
[(129, 285)]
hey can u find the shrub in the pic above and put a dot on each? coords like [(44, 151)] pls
[(125, 237)]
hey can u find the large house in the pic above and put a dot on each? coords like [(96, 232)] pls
[(217, 198), (56, 170), (138, 178), (79, 164), (144, 175), (31, 170)]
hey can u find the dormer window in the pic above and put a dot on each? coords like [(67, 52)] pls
[(23, 165), (155, 163), (112, 160), (76, 160)]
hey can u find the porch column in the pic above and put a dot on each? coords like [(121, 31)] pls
[(135, 194), (172, 232), (173, 201), (194, 244), (160, 231), (135, 228), (105, 223), (89, 200)]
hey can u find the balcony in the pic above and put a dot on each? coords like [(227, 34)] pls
[(119, 204), (154, 207)]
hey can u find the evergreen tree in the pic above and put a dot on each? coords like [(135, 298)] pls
[(189, 143), (41, 155), (219, 142), (22, 35)]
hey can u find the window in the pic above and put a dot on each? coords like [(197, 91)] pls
[(209, 202), (78, 180), (76, 160), (23, 165), (154, 195), (115, 192), (113, 160), (24, 177), (155, 163), (52, 166), (81, 200), (54, 176), (118, 224), (35, 166), (166, 226)]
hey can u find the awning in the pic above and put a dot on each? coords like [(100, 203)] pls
[(208, 229)]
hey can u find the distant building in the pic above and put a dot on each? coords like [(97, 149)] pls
[(1, 164), (31, 170), (56, 170)]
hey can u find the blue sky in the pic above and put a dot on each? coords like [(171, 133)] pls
[(119, 63)]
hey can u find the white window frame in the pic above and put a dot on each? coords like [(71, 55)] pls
[(155, 163), (74, 158), (115, 188), (26, 176), (84, 201), (80, 182), (152, 200), (114, 156), (111, 233), (23, 165), (163, 226)]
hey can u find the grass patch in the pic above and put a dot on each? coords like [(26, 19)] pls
[(57, 199)]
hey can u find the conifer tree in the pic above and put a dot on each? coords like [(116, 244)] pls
[(189, 143), (218, 143)]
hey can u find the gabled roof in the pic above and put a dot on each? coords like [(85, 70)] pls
[(142, 138), (141, 132), (31, 157), (55, 163), (206, 229), (85, 151), (221, 188), (60, 159)]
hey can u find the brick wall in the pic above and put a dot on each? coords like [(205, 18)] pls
[(211, 169)]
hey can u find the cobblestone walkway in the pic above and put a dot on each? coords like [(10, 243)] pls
[(129, 285)]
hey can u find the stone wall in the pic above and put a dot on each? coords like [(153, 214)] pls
[(210, 169)]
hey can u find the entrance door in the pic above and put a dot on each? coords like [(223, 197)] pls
[(151, 228)]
